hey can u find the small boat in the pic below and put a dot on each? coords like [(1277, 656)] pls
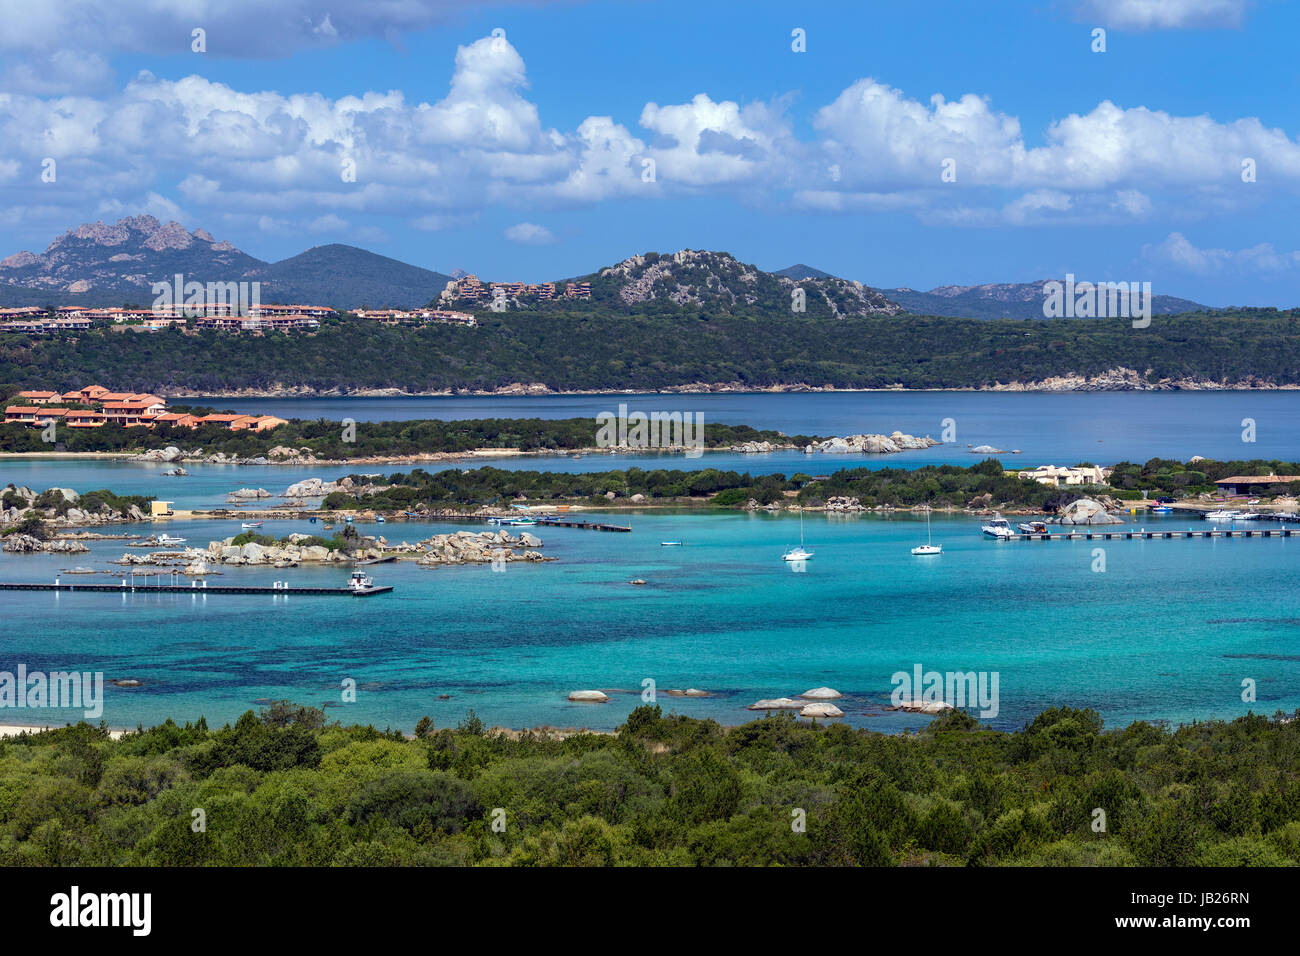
[(329, 527), (168, 541), (360, 581), (798, 554), (997, 527), (380, 519), (670, 544), (312, 519), (1033, 527), (1221, 515), (929, 547), (251, 524), (349, 519), (1249, 516), (1162, 510), (411, 514)]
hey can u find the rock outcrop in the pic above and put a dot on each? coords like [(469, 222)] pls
[(821, 693), (26, 544), (821, 710), (461, 547), (1086, 511), (871, 444), (777, 703), (840, 503)]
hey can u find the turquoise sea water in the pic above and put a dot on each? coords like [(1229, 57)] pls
[(1168, 631)]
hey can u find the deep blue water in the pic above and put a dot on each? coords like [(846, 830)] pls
[(1061, 426), (1046, 428)]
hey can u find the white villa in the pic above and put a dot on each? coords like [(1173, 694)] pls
[(1059, 475)]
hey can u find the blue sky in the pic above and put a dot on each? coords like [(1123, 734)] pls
[(524, 155)]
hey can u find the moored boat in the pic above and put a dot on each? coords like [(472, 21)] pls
[(929, 547), (798, 554), (997, 527)]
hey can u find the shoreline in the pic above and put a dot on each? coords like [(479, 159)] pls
[(1083, 386)]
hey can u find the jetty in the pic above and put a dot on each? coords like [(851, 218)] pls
[(196, 587), (577, 523), (1146, 535)]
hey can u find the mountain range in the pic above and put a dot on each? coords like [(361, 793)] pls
[(1005, 300), (106, 265), (97, 264)]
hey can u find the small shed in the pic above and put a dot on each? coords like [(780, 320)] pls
[(160, 509)]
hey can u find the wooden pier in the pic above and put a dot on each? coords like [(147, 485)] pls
[(1145, 535), (194, 587), (575, 523)]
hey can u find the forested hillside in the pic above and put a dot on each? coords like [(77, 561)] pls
[(596, 349), (284, 789)]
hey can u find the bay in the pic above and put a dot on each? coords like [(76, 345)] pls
[(1169, 630)]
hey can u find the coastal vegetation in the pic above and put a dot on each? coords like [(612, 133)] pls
[(321, 438), (939, 485), (348, 538), (660, 345), (23, 510), (284, 787), (1163, 476), (986, 484)]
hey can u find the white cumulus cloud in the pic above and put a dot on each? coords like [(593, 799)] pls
[(529, 234), (1165, 14)]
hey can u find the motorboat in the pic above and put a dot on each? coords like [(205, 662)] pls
[(1222, 515), (1033, 527), (167, 541), (363, 585), (670, 544), (248, 525), (997, 527)]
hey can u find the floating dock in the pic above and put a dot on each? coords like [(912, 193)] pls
[(575, 523), (194, 587), (1145, 535)]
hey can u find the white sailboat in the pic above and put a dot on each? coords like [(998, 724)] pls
[(929, 547), (798, 554)]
